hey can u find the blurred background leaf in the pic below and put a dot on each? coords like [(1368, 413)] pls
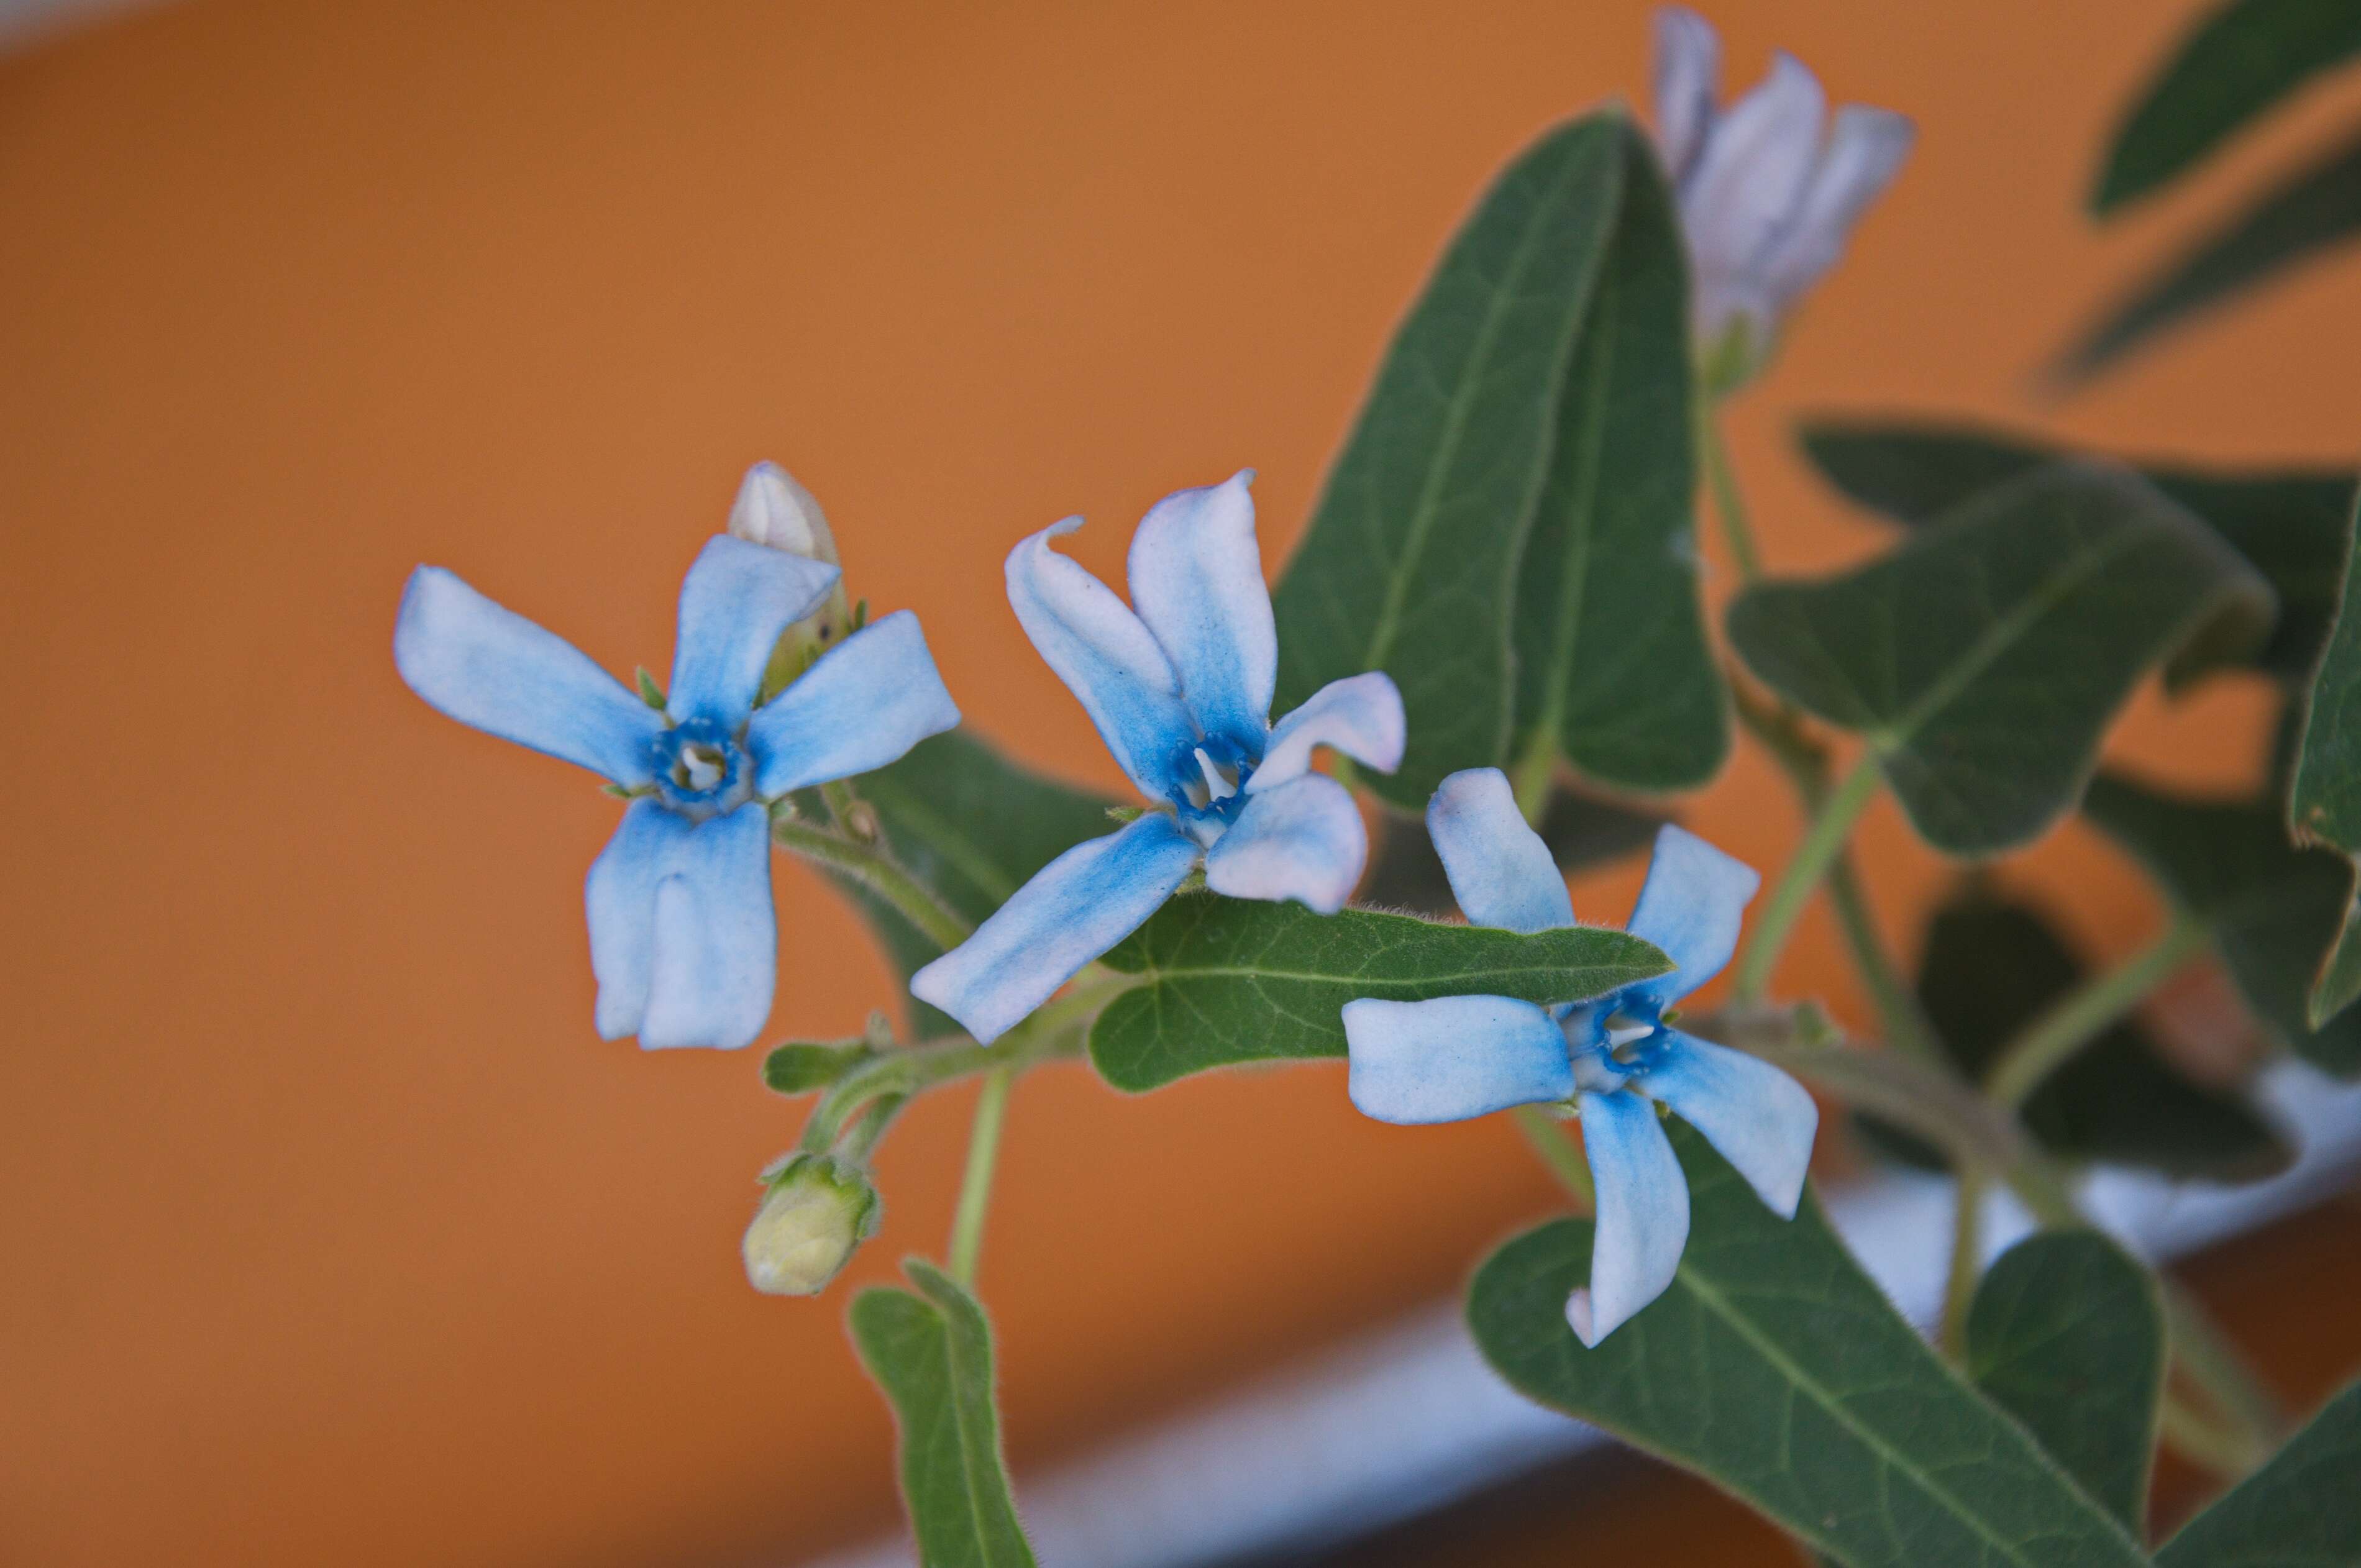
[(2299, 1510), (2325, 801)]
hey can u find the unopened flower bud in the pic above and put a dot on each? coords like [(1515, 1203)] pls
[(818, 1210), (772, 511)]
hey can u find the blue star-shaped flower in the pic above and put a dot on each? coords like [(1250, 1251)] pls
[(1464, 1056), (682, 938), (1180, 685)]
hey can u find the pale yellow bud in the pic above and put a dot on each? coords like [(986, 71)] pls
[(816, 1211), (772, 510)]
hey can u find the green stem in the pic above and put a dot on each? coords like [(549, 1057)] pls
[(854, 820), (1967, 1256), (1822, 844), (1557, 1152), (2227, 1454), (2215, 1367), (976, 1188), (2087, 1011), (1535, 772), (879, 872), (867, 1128), (1726, 501)]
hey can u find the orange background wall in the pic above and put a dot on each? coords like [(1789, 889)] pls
[(330, 1230)]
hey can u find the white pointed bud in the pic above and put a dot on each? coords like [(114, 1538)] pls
[(772, 510), (818, 1210)]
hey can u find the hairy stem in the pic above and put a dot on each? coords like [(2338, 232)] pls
[(870, 866), (1557, 1152), (1967, 1259), (2087, 1011), (976, 1188), (1822, 844)]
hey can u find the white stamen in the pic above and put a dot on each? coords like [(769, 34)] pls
[(703, 768), (1220, 783), (1617, 1038)]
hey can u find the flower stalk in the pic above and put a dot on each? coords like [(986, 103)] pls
[(1820, 848), (975, 1186), (2088, 1011)]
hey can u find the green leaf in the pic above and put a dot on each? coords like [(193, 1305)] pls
[(1227, 980), (970, 825), (2270, 907), (931, 1352), (2325, 802), (1983, 658), (2312, 210), (2243, 58), (1410, 561), (2299, 1510), (1581, 831), (2290, 524), (1991, 967), (801, 1066), (1613, 672), (2066, 1333), (1776, 1369)]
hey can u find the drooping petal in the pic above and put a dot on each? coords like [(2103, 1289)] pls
[(487, 666), (1456, 1057), (1360, 715), (1501, 873), (1196, 581), (715, 959), (1106, 656), (620, 897), (862, 705), (1688, 73), (1750, 177), (1864, 153), (1761, 1120), (1692, 906), (1075, 908), (1644, 1213), (736, 600), (1303, 841)]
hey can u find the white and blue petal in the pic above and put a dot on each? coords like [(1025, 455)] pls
[(715, 958), (1360, 715), (1865, 151), (1688, 71), (620, 897), (1501, 873), (487, 666), (862, 705), (1196, 582), (1761, 1120), (1303, 841), (1691, 906), (1750, 179), (1075, 908), (735, 602), (1644, 1213), (1107, 658), (1451, 1059)]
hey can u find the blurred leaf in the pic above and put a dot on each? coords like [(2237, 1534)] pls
[(2271, 908), (2240, 60), (2325, 802), (2290, 524), (2312, 210), (1983, 658), (2066, 1333), (970, 825), (2299, 1510), (1775, 1368), (1410, 564), (1613, 672), (799, 1066), (1991, 967), (1581, 831), (931, 1352), (1229, 979)]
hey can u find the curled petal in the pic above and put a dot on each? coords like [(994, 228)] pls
[(1196, 581), (1075, 908), (1864, 153), (1750, 179), (736, 600), (1456, 1057), (682, 938), (1692, 906), (1761, 1120), (1501, 873), (487, 666), (1644, 1213), (1688, 67), (1360, 715), (1303, 841), (862, 704), (1107, 658)]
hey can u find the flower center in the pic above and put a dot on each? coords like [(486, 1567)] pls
[(1208, 786), (1609, 1040), (700, 770)]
